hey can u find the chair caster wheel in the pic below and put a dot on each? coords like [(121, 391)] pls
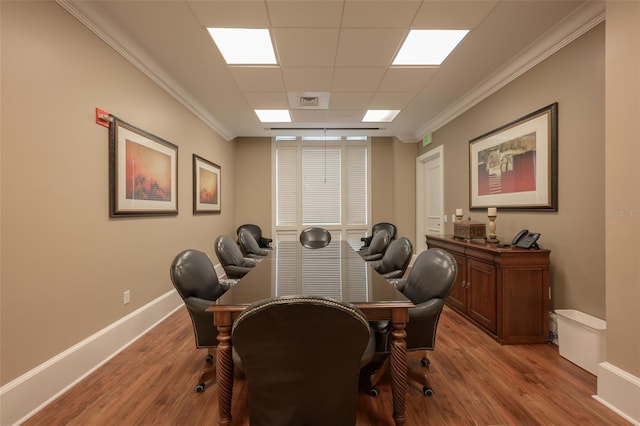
[(427, 391), (200, 388), (209, 359), (374, 392), (425, 362)]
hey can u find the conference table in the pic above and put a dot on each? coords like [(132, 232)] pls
[(336, 271)]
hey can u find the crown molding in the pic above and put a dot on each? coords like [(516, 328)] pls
[(94, 17), (582, 20)]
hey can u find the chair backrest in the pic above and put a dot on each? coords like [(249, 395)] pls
[(301, 356), (249, 244), (379, 242), (195, 280), (228, 251), (315, 237), (256, 231), (396, 259), (389, 227), (429, 283)]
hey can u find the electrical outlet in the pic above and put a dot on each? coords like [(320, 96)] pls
[(127, 296), (445, 218), (453, 217)]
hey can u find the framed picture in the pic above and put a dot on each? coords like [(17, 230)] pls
[(206, 186), (515, 167), (143, 172)]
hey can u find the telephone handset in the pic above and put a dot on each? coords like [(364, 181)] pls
[(526, 239)]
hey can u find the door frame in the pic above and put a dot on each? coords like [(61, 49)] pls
[(421, 161)]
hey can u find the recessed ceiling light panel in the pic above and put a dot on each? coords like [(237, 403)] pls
[(244, 46), (380, 115), (428, 47), (273, 115)]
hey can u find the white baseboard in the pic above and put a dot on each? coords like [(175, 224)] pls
[(26, 395), (619, 391)]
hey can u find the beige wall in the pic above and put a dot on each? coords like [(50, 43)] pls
[(573, 77), (253, 183), (65, 263), (622, 201)]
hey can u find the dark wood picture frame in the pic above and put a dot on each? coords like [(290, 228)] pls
[(515, 167), (206, 186), (143, 172)]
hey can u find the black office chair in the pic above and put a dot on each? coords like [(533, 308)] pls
[(195, 280), (249, 245), (378, 246), (315, 237), (256, 231), (233, 262), (389, 227), (301, 356), (395, 260), (429, 283)]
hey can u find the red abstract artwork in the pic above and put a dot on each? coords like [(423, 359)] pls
[(148, 173), (509, 167), (208, 187)]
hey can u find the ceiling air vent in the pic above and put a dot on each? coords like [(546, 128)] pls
[(309, 101)]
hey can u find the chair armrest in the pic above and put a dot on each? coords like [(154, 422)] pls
[(250, 262), (398, 283), (366, 240), (264, 242), (234, 271), (370, 257), (197, 304), (227, 283), (426, 309), (398, 273)]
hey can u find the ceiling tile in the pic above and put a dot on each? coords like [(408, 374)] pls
[(345, 116), (452, 14), (258, 79), (368, 47), (305, 14), (306, 47), (307, 79), (309, 115), (357, 79), (267, 100), (350, 100), (244, 14), (406, 79), (391, 100), (380, 14)]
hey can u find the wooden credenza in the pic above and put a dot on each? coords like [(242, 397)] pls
[(504, 291)]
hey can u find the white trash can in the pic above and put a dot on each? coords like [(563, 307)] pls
[(582, 339)]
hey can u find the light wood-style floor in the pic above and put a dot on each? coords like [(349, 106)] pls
[(476, 382)]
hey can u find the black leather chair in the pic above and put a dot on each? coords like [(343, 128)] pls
[(256, 231), (301, 356), (233, 262), (249, 245), (315, 237), (378, 246), (396, 259), (195, 280), (429, 283), (389, 227)]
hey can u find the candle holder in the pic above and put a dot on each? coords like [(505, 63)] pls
[(492, 229)]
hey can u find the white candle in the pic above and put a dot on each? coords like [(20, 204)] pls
[(492, 211), (458, 212)]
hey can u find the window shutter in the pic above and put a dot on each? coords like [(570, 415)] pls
[(286, 185), (321, 193)]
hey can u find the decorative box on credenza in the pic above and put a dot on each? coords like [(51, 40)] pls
[(469, 230), (502, 290)]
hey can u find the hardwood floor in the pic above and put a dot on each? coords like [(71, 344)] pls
[(476, 382)]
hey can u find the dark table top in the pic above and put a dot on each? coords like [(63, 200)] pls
[(335, 271)]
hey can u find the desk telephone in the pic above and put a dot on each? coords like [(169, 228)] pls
[(526, 239)]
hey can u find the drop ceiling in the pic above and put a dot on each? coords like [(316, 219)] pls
[(339, 51)]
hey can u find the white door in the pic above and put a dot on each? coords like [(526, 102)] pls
[(430, 196)]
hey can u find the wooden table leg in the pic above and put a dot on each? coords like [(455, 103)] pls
[(224, 367), (398, 370)]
